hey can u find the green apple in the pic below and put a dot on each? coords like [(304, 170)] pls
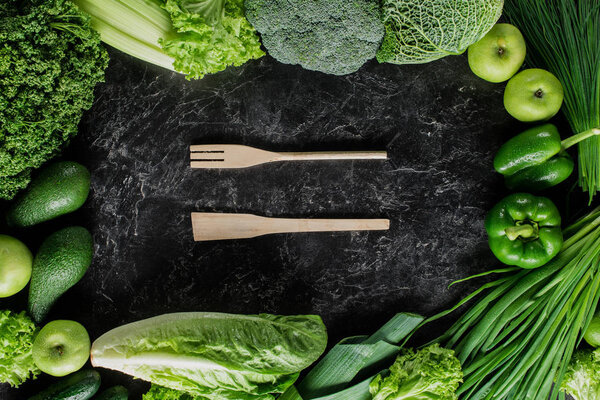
[(533, 95), (499, 54), (15, 265), (61, 347), (592, 334)]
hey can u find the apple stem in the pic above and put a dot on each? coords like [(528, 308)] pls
[(570, 141)]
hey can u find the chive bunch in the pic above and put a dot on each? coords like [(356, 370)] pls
[(563, 36), (517, 340)]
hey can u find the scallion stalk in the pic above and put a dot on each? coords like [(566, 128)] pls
[(563, 36)]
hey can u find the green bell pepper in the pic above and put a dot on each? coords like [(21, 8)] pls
[(536, 159), (524, 230)]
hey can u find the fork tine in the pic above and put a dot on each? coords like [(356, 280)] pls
[(205, 148)]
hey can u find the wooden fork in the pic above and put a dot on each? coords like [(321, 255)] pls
[(238, 156), (223, 226)]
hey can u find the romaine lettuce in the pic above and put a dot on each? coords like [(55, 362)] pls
[(214, 355)]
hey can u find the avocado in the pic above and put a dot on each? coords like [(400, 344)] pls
[(80, 385), (59, 189), (113, 393), (61, 261)]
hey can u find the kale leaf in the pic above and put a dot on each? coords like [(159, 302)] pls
[(50, 62)]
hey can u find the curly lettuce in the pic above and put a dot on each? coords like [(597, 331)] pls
[(16, 341), (162, 393), (582, 380), (432, 373)]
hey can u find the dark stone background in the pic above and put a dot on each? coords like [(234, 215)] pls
[(440, 124)]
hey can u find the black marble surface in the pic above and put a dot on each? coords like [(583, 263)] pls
[(440, 124)]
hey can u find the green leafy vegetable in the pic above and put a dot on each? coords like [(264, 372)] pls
[(563, 36), (194, 37), (431, 373), (420, 31), (515, 342), (331, 36), (50, 62), (354, 358), (582, 380), (162, 393), (213, 355), (16, 341)]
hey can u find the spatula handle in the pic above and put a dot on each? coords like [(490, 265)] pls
[(333, 155), (289, 225), (223, 226)]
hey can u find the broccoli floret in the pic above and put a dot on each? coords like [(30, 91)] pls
[(332, 36), (50, 61)]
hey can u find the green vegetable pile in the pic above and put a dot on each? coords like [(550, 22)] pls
[(563, 36), (50, 62), (420, 31), (517, 340), (16, 341), (194, 37), (332, 36)]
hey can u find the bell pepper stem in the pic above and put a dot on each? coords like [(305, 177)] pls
[(570, 141), (513, 232)]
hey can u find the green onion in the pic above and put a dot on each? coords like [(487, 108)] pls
[(517, 340), (563, 36)]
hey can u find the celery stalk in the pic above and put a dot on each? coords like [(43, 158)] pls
[(132, 26)]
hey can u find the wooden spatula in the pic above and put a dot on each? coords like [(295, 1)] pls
[(238, 156), (222, 226)]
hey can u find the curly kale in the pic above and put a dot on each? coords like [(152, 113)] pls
[(50, 61), (331, 36), (16, 341)]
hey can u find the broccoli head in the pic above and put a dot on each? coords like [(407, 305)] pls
[(332, 36), (50, 61)]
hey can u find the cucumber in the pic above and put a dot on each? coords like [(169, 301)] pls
[(80, 385), (113, 393), (59, 189)]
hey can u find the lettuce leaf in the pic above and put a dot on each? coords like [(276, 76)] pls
[(213, 355), (213, 35), (16, 341), (431, 373), (582, 380)]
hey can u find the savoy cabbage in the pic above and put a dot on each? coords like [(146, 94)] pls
[(419, 31)]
